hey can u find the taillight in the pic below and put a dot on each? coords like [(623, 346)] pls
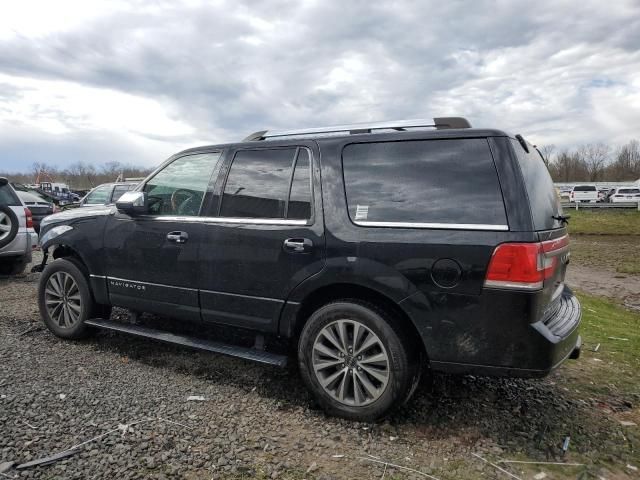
[(29, 217), (524, 265)]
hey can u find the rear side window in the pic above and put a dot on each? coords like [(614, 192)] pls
[(261, 185), (8, 197), (300, 198), (543, 198), (431, 183), (584, 188), (120, 190)]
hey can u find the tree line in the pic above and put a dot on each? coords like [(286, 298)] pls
[(78, 176), (594, 162)]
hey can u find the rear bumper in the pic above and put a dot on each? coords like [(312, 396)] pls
[(20, 245), (501, 342)]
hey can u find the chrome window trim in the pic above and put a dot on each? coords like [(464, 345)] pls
[(439, 226), (255, 221), (152, 284)]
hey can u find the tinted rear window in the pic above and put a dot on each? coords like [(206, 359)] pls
[(543, 197), (258, 184), (629, 190), (425, 181), (584, 188), (8, 197)]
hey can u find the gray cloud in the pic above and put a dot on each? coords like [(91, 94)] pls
[(562, 72)]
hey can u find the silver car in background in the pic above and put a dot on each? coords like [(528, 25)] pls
[(17, 236)]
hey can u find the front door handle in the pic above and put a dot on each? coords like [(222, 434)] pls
[(298, 245), (178, 237)]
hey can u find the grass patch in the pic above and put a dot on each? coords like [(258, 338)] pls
[(604, 222), (615, 367), (607, 252)]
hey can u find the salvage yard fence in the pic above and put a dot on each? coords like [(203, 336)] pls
[(621, 205)]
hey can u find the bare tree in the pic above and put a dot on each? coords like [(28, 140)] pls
[(595, 157), (547, 152)]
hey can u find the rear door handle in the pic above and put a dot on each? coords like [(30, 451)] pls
[(298, 245), (178, 237)]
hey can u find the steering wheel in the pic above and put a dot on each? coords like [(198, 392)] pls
[(178, 205)]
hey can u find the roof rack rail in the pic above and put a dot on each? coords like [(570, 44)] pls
[(440, 123)]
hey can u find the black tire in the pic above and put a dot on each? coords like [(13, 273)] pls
[(404, 359), (83, 300), (8, 218)]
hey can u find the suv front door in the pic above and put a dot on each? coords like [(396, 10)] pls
[(263, 234), (152, 259)]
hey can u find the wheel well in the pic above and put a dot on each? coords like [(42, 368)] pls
[(327, 294), (64, 251)]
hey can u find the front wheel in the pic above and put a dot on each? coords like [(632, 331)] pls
[(65, 300), (357, 360)]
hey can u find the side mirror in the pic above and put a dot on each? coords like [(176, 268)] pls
[(132, 203)]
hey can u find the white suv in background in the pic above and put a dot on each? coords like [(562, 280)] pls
[(625, 194), (584, 193), (17, 237)]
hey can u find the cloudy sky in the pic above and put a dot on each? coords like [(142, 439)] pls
[(137, 80)]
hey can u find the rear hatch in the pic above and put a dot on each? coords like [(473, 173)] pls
[(547, 218)]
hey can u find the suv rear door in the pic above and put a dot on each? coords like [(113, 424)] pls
[(263, 233)]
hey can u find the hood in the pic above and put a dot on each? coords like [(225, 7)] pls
[(78, 213)]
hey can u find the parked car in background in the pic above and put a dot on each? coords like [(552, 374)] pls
[(565, 193), (603, 194), (39, 207), (584, 193), (17, 237), (365, 260), (107, 193), (625, 194)]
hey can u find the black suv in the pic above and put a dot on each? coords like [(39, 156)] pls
[(376, 249)]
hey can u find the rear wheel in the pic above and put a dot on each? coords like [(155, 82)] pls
[(65, 300), (357, 360)]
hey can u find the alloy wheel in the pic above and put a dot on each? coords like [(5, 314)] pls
[(62, 299), (350, 362)]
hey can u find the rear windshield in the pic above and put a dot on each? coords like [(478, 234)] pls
[(629, 190), (8, 197), (584, 188), (425, 183), (543, 197)]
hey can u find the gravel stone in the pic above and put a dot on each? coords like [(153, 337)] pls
[(256, 420)]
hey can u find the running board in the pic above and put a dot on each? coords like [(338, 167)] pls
[(252, 354)]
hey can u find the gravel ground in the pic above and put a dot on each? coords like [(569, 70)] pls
[(254, 421)]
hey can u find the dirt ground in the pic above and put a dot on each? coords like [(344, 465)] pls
[(599, 264)]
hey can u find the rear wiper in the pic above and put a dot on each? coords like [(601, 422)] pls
[(562, 218)]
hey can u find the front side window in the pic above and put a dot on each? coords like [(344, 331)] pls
[(260, 185), (99, 196), (427, 183), (119, 190), (179, 188)]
